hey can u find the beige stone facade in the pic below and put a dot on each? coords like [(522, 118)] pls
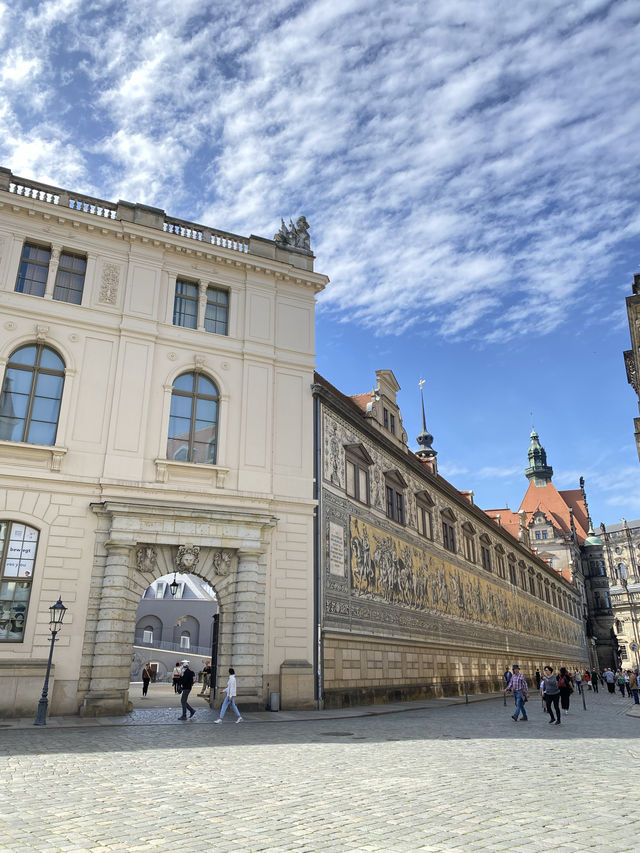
[(632, 356), (122, 307), (421, 592)]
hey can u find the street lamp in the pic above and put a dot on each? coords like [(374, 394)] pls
[(173, 586), (56, 618)]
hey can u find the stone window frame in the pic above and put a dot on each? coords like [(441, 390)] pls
[(59, 262), (394, 490), (448, 522), (32, 264), (76, 276), (469, 542), (522, 575), (221, 325), (424, 514), (356, 455), (511, 571)]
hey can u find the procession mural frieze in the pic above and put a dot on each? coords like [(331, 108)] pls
[(387, 569)]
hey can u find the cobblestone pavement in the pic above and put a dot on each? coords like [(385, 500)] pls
[(435, 778)]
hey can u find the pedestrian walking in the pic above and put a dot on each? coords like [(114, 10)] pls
[(518, 685), (633, 686), (186, 683), (595, 678), (229, 699), (620, 682), (566, 689), (610, 679), (626, 682), (146, 677), (552, 695), (506, 678), (577, 680), (177, 672), (206, 678), (538, 678)]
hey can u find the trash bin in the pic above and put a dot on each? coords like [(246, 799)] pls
[(274, 701)]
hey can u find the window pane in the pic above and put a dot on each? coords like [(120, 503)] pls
[(50, 359), (351, 479), (179, 428), (207, 410), (49, 386), (68, 287), (45, 409), (181, 406), (24, 355), (41, 432), (184, 382), (206, 386), (362, 485)]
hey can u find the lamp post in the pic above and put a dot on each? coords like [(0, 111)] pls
[(56, 618)]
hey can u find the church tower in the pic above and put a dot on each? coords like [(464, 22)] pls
[(538, 471)]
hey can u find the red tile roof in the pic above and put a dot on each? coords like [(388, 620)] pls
[(361, 400), (555, 505), (508, 520)]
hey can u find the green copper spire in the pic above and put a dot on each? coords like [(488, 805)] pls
[(538, 470)]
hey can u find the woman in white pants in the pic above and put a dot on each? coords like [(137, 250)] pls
[(229, 699)]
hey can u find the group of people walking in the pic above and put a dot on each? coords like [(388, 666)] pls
[(556, 688)]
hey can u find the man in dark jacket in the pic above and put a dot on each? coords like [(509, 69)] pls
[(186, 682)]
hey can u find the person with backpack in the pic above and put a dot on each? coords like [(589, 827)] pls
[(552, 695), (566, 689)]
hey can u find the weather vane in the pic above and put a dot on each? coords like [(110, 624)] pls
[(421, 383)]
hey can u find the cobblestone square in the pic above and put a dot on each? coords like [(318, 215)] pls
[(436, 778)]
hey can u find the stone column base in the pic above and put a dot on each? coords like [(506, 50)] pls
[(296, 686), (111, 704)]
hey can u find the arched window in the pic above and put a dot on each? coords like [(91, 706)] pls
[(31, 395), (147, 635), (193, 422)]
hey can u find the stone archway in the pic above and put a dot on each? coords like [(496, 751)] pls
[(137, 544)]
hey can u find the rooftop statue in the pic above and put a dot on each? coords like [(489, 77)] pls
[(295, 235)]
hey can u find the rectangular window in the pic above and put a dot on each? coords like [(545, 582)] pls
[(425, 522), (395, 504), (217, 311), (18, 545), (485, 556), (392, 424), (70, 278), (147, 636), (501, 572), (469, 549), (538, 534), (512, 573), (448, 537), (185, 307), (532, 586), (33, 269), (357, 481), (185, 642), (544, 534), (385, 418)]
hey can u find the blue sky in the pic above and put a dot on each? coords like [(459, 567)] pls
[(469, 171)]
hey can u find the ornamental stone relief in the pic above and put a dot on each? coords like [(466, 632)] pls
[(109, 284), (187, 558), (146, 559)]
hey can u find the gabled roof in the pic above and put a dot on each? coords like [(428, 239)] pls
[(361, 400), (506, 519), (555, 505)]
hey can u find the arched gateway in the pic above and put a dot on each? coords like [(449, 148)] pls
[(138, 543)]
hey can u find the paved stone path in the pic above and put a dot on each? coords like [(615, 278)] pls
[(434, 778)]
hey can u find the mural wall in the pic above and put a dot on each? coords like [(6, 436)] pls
[(385, 568)]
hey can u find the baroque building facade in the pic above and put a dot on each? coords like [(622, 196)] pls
[(155, 416), (419, 590), (621, 562)]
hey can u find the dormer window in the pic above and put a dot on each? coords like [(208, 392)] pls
[(395, 485), (357, 462)]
